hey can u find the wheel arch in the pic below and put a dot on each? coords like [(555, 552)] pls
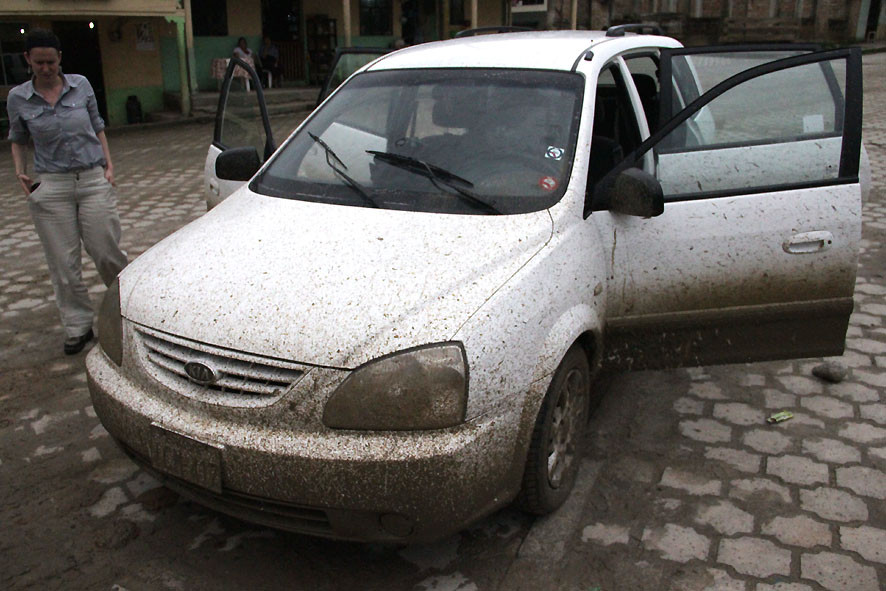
[(580, 326)]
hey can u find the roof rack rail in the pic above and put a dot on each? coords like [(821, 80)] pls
[(620, 30), (487, 30)]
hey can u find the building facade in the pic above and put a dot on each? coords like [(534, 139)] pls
[(125, 47), (161, 51)]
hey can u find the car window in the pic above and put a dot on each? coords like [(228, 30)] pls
[(693, 75), (615, 132), (348, 61), (645, 74), (755, 135), (242, 124), (446, 141)]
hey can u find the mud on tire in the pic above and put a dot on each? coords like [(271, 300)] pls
[(555, 448)]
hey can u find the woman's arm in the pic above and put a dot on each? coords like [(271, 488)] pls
[(109, 166), (20, 160)]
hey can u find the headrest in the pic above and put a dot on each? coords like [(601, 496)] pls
[(645, 84)]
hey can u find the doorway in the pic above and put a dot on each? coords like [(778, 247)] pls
[(282, 21), (419, 20), (81, 55), (873, 20)]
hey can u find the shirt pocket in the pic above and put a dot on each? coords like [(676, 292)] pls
[(74, 114), (41, 123)]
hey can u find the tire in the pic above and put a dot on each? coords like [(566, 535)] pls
[(555, 448)]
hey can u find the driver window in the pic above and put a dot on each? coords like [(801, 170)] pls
[(241, 122), (753, 136)]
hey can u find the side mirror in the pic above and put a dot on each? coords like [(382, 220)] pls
[(635, 192), (237, 164)]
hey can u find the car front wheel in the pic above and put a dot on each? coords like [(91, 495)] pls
[(555, 448)]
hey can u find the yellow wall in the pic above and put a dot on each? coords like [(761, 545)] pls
[(124, 65), (244, 18), (334, 9), (489, 13), (90, 7)]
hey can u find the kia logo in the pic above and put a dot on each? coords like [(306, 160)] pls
[(201, 373)]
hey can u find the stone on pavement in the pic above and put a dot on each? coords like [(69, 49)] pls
[(830, 371)]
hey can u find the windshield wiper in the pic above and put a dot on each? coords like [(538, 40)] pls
[(436, 175), (341, 173)]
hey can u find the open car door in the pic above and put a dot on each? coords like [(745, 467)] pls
[(241, 121), (755, 254)]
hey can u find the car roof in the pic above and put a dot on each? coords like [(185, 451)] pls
[(544, 50)]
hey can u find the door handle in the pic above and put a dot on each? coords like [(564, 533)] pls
[(213, 186), (808, 242)]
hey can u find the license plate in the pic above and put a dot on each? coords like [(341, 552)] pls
[(186, 458)]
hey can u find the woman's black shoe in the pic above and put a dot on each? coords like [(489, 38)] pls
[(74, 345)]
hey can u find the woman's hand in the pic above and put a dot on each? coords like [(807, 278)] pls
[(25, 181), (109, 175)]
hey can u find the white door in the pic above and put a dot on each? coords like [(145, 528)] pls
[(241, 121), (755, 254)]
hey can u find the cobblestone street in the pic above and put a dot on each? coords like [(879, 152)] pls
[(685, 487)]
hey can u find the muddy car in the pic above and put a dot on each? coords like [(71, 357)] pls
[(391, 328)]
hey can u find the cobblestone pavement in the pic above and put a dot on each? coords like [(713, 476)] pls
[(684, 488)]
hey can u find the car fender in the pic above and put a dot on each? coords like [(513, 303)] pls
[(579, 321), (525, 329), (579, 324)]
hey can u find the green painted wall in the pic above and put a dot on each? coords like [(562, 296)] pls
[(169, 63), (368, 41), (208, 48), (151, 98)]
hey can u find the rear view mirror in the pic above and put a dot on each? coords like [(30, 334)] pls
[(237, 164), (636, 192)]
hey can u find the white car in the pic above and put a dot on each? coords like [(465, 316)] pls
[(391, 330)]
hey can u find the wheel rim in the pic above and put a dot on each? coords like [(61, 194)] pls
[(565, 427)]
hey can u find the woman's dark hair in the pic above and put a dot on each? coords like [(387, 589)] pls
[(241, 39), (42, 38)]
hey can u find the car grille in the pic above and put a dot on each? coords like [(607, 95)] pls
[(241, 376)]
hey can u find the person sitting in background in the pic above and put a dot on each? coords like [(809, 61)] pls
[(269, 57), (243, 52)]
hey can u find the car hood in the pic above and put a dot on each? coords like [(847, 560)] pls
[(325, 284)]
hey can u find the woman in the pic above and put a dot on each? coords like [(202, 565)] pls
[(75, 199), (243, 52)]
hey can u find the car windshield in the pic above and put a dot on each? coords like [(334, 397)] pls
[(467, 141)]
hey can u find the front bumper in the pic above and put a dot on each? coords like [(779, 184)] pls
[(387, 486)]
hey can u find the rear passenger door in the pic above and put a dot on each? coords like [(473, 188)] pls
[(755, 254)]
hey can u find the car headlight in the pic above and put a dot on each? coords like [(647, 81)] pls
[(422, 388), (110, 324)]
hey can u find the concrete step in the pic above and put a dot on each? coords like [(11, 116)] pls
[(204, 101), (253, 110)]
